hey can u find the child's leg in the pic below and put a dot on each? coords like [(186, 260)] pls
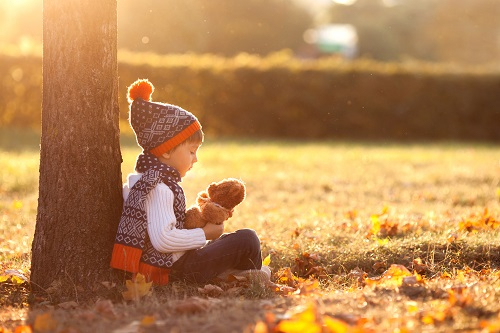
[(237, 250)]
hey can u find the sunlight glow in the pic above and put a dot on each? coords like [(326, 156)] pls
[(345, 2), (390, 3), (18, 2)]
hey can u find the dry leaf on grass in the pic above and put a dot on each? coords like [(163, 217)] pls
[(211, 290), (311, 320), (105, 308), (23, 329), (490, 326), (267, 260), (148, 321), (192, 305), (137, 288), (13, 276), (45, 323), (391, 278), (358, 274), (419, 266), (68, 305), (307, 287), (479, 222), (108, 285)]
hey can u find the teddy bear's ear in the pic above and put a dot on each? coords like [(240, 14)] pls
[(211, 188)]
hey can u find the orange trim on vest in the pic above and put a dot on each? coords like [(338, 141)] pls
[(126, 258), (176, 140), (159, 276)]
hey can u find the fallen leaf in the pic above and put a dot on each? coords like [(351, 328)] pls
[(409, 280), (307, 287), (108, 285), (285, 276), (375, 225), (490, 326), (268, 325), (358, 274), (15, 276), (106, 308), (412, 307), (393, 277), (439, 312), (86, 315), (137, 288), (308, 264), (211, 290), (352, 214), (192, 305), (260, 327), (45, 323), (236, 278), (148, 321), (379, 265), (336, 325), (267, 260), (234, 291), (22, 329), (419, 266), (17, 204), (479, 222), (68, 305), (452, 237), (306, 321), (460, 296)]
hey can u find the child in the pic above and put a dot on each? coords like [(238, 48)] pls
[(150, 239)]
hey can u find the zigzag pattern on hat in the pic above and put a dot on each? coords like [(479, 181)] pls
[(156, 123)]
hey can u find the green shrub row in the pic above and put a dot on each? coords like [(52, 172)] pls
[(280, 96)]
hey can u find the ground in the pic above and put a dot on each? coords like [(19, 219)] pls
[(360, 236)]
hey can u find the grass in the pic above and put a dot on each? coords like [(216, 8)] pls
[(335, 213)]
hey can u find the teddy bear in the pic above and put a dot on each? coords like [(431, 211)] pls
[(216, 203)]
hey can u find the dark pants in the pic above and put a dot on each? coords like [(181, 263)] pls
[(236, 250)]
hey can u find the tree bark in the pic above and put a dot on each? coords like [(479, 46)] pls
[(80, 201)]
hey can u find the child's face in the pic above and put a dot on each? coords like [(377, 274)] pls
[(182, 158)]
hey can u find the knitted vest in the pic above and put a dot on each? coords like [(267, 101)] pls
[(133, 251)]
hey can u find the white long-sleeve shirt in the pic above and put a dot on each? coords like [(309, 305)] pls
[(163, 234)]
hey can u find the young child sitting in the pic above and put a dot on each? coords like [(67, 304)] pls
[(151, 239)]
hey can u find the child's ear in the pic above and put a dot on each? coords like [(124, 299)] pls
[(166, 155)]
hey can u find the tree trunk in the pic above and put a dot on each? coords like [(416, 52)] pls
[(80, 201)]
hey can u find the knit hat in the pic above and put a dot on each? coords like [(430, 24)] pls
[(158, 127)]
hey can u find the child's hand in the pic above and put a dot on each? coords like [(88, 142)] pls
[(213, 231)]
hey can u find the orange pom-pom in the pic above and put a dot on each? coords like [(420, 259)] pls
[(141, 88)]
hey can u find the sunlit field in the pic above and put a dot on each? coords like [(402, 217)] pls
[(373, 237)]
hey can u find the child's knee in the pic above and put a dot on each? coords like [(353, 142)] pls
[(249, 234), (249, 237)]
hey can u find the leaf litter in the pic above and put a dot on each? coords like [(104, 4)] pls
[(440, 288)]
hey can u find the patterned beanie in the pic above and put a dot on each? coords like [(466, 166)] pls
[(158, 127)]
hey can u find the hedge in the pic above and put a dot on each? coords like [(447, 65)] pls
[(283, 97)]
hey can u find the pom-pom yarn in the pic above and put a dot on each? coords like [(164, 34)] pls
[(141, 88)]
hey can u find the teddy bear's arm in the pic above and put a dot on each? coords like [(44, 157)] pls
[(193, 219)]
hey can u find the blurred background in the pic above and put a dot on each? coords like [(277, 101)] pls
[(362, 69)]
